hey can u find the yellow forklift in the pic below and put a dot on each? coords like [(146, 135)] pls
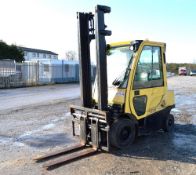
[(129, 96)]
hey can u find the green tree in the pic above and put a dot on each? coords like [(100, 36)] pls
[(11, 52)]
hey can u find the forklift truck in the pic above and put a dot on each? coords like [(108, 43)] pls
[(129, 96)]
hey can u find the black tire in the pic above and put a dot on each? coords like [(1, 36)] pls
[(168, 124), (122, 133)]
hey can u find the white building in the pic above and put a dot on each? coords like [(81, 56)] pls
[(36, 54)]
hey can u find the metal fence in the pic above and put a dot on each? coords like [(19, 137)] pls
[(38, 73)]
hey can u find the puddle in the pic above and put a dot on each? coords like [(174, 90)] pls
[(10, 141), (47, 140), (49, 126), (176, 110), (68, 114), (185, 111), (30, 134), (194, 119), (45, 127), (19, 144), (185, 141), (182, 100), (5, 140)]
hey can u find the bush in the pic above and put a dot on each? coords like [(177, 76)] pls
[(10, 52)]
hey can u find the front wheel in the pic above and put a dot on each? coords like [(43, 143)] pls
[(168, 124), (122, 133)]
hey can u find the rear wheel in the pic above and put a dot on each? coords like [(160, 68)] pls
[(122, 133), (168, 124)]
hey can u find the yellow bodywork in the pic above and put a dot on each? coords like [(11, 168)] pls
[(158, 98)]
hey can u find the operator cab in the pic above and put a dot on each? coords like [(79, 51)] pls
[(136, 73)]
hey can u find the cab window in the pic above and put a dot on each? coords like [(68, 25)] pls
[(149, 68)]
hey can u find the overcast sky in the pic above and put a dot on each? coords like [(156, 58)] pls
[(52, 24)]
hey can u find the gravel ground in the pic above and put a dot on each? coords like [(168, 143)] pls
[(33, 122)]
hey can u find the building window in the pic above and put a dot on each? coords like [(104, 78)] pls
[(38, 55), (25, 53), (44, 55), (46, 68), (49, 56), (34, 54)]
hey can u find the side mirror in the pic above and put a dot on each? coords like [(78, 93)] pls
[(135, 45), (116, 82)]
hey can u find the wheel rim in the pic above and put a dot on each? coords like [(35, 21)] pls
[(170, 122), (125, 134)]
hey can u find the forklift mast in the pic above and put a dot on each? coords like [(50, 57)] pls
[(89, 29)]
